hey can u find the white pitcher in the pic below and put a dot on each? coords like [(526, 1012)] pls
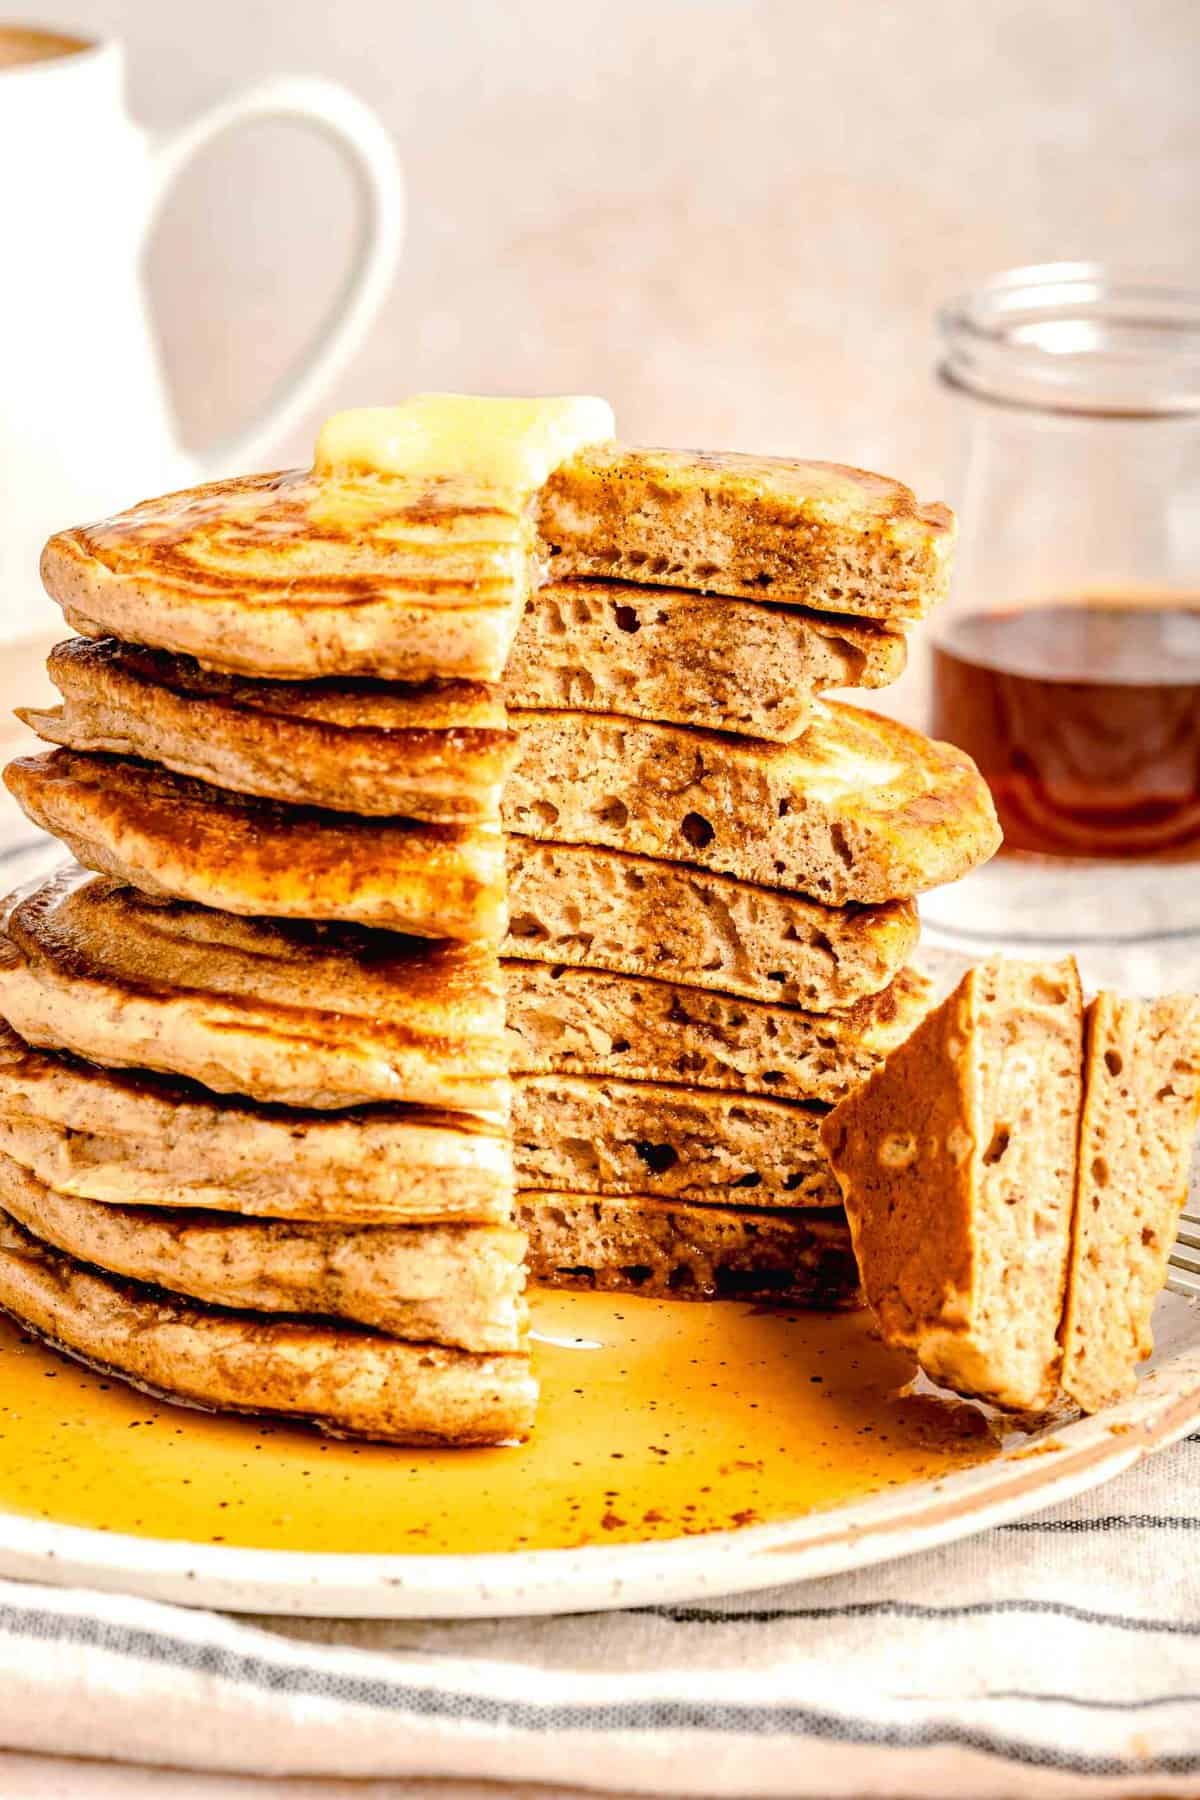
[(85, 423)]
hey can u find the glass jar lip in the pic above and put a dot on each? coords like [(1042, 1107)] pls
[(1079, 337)]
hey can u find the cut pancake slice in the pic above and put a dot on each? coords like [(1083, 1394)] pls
[(171, 836), (673, 1250), (587, 1022), (688, 658), (437, 752), (861, 810), (303, 1015), (304, 574), (347, 1380), (587, 1135), (1140, 1100), (141, 1140), (603, 909), (810, 534), (956, 1160), (439, 1284)]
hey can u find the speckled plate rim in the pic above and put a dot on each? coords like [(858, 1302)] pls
[(1048, 1467)]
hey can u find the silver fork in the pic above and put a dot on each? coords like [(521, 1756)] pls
[(1184, 1260)]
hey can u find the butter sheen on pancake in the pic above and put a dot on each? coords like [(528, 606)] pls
[(439, 751), (182, 839), (440, 1284), (303, 1015), (134, 1138), (302, 574), (861, 809), (348, 1380)]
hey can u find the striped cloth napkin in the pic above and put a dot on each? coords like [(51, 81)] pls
[(1056, 1656)]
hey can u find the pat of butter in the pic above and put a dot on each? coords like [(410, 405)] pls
[(514, 445)]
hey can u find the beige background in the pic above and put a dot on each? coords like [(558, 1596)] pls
[(733, 217)]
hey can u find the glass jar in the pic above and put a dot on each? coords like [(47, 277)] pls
[(1067, 660)]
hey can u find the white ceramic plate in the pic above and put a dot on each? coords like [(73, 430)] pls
[(1031, 1473), (1039, 1471)]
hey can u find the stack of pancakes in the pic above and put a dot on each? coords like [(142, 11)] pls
[(254, 1078), (254, 1146), (712, 871)]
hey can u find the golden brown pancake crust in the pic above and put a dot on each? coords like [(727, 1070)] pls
[(139, 1139), (438, 1284), (183, 839), (348, 1381), (439, 751), (306, 1015), (298, 576)]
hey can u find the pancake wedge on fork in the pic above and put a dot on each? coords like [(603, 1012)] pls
[(347, 1380), (132, 1138), (298, 1014), (182, 839), (437, 752)]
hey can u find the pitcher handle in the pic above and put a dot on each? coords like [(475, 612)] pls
[(361, 137)]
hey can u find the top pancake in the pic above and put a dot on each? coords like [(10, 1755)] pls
[(301, 574), (811, 534), (310, 573)]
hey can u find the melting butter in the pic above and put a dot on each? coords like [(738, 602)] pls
[(509, 444)]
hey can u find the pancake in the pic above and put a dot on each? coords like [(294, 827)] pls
[(690, 659), (304, 574), (671, 1250), (438, 1284), (602, 909), (348, 1381), (302, 1015), (810, 534), (181, 839), (860, 810), (437, 752), (142, 1140), (588, 1135), (1137, 1133), (585, 1022)]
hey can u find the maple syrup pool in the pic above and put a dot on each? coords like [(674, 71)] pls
[(658, 1419)]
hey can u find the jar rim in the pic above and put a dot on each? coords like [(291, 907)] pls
[(1080, 337)]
